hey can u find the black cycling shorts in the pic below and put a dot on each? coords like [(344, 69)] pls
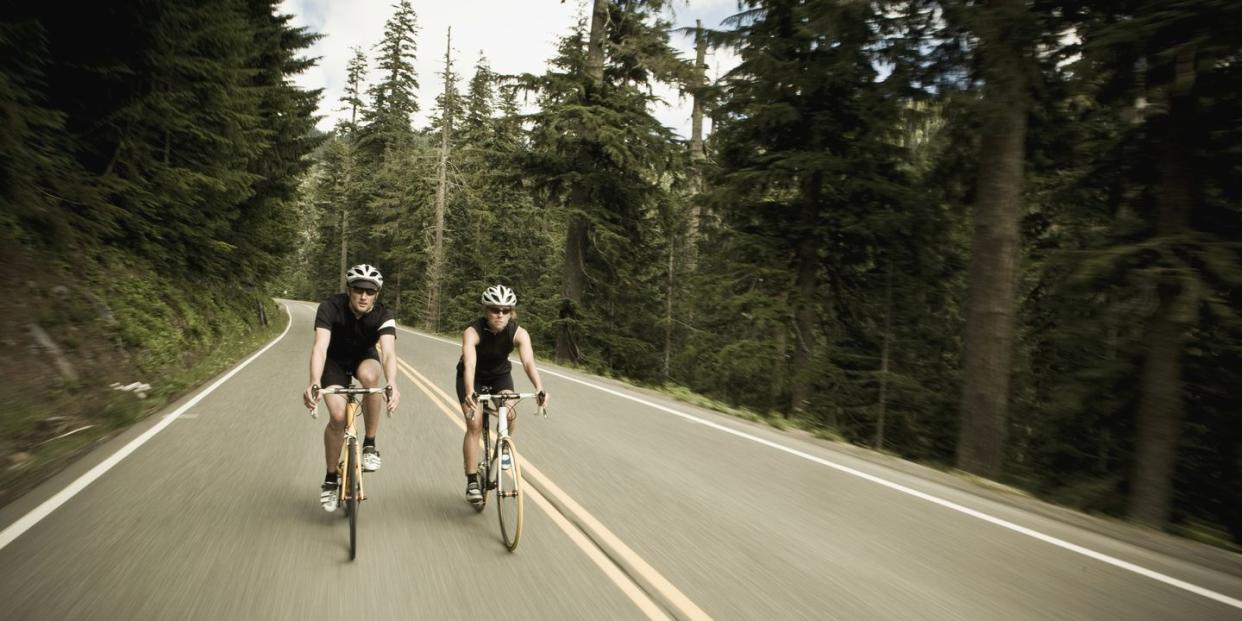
[(484, 385), (340, 373)]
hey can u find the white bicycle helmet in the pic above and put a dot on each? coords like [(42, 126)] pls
[(498, 295), (363, 273)]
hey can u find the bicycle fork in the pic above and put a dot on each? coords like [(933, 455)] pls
[(352, 457), (502, 433)]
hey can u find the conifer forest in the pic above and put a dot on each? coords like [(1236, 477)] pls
[(1000, 236)]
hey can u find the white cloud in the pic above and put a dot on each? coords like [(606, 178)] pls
[(516, 36)]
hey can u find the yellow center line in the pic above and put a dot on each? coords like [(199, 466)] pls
[(681, 604)]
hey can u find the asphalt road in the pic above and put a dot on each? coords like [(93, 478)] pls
[(638, 507)]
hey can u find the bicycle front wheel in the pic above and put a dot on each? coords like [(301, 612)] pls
[(352, 485), (508, 492), (484, 471)]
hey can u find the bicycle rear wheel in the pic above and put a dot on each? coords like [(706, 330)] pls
[(508, 493), (351, 501)]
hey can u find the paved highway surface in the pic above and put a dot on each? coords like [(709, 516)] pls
[(638, 507)]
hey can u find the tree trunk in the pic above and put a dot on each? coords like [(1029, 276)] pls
[(344, 244), (668, 312), (573, 273), (1160, 408), (595, 45), (888, 338), (573, 276), (436, 265), (1159, 415), (697, 152), (804, 298), (776, 387), (997, 245), (344, 195), (397, 290)]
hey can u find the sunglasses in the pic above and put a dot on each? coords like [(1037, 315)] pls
[(361, 291), (499, 311)]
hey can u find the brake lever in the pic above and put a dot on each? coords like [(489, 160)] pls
[(314, 412)]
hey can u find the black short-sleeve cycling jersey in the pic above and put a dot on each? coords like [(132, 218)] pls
[(353, 337)]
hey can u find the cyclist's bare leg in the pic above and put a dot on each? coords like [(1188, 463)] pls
[(334, 432), (512, 412), (370, 375), (474, 431)]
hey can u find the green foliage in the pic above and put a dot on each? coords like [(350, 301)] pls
[(599, 157), (188, 145), (394, 97), (844, 155), (1100, 251)]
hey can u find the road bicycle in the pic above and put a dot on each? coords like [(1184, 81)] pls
[(499, 468), (349, 468)]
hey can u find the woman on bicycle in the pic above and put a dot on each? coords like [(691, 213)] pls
[(485, 348)]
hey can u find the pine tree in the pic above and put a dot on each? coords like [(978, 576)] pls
[(44, 194), (264, 232), (1175, 68), (1005, 33), (394, 97), (805, 174), (355, 76), (598, 152), (448, 104)]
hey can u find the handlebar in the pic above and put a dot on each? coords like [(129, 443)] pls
[(347, 391), (353, 391), (502, 398)]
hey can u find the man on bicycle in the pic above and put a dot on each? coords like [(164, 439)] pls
[(348, 327), (485, 348)]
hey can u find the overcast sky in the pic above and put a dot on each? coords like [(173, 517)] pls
[(516, 36)]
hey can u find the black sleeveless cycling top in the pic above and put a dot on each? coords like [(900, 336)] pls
[(492, 353)]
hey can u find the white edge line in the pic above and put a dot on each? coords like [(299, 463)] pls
[(24, 523), (1099, 556)]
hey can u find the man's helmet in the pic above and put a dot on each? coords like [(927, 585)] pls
[(498, 295), (362, 274)]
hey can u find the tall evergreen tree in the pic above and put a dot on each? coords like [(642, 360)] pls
[(1006, 33), (598, 152), (355, 78), (45, 195), (264, 232), (1173, 71), (394, 98), (448, 105), (805, 167)]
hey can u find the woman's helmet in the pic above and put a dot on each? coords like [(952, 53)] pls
[(498, 295), (361, 274)]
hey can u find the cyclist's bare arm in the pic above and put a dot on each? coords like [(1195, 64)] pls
[(318, 355), (388, 357), (526, 353), (469, 360)]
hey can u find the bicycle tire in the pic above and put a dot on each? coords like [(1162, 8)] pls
[(509, 503), (351, 502)]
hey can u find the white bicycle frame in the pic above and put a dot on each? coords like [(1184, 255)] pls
[(501, 400)]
